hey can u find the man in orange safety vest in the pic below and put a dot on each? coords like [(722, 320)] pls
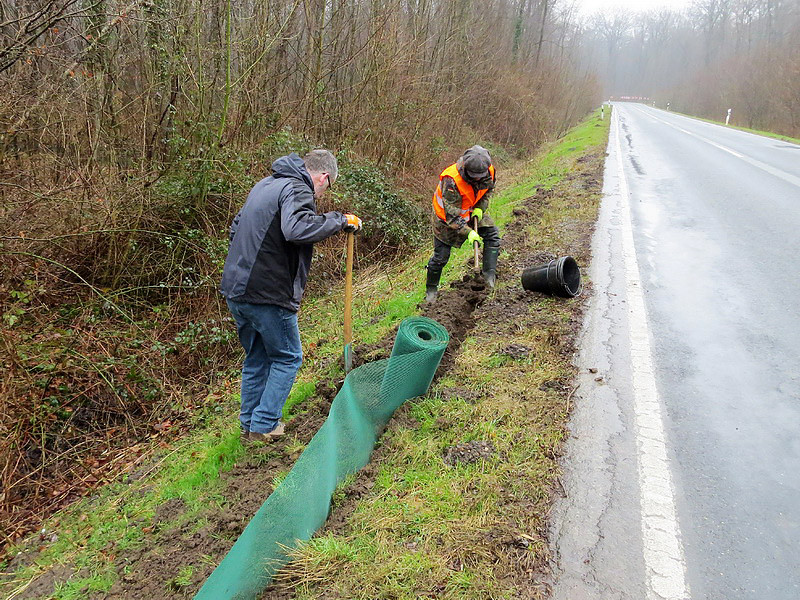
[(461, 196)]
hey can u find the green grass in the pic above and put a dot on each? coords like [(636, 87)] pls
[(76, 590), (426, 525), (118, 513), (411, 502), (301, 391), (187, 474)]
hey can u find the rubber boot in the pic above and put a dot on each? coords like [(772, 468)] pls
[(490, 265), (432, 284)]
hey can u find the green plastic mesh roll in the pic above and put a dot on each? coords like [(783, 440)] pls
[(343, 445)]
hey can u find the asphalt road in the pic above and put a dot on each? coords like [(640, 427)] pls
[(682, 478)]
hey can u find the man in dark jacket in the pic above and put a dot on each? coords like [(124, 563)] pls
[(271, 243), (461, 196)]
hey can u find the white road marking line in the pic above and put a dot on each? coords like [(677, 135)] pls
[(699, 137), (756, 163), (665, 565), (723, 148)]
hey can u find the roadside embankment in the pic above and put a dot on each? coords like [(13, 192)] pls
[(455, 500)]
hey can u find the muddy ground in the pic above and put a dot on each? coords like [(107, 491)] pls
[(160, 567), (467, 308)]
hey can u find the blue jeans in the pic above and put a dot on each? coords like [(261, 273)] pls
[(271, 341)]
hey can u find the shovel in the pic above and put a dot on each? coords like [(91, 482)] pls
[(477, 265), (348, 308)]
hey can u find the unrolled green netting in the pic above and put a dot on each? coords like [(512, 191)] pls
[(300, 504)]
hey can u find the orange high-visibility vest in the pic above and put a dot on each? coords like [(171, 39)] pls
[(468, 196)]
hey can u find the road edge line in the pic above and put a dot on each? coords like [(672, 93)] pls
[(665, 564)]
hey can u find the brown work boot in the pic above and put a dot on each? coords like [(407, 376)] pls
[(268, 437)]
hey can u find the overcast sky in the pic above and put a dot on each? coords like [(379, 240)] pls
[(588, 7)]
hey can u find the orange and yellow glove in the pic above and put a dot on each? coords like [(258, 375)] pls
[(353, 224)]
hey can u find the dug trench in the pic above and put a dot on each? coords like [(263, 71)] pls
[(182, 547), (516, 546), (517, 549)]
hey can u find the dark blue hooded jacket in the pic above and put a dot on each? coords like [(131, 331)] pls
[(272, 238)]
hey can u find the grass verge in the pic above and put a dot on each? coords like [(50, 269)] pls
[(460, 488), (418, 501)]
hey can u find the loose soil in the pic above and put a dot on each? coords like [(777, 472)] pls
[(465, 309), (468, 452), (190, 545)]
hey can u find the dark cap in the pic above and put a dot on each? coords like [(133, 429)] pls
[(475, 164)]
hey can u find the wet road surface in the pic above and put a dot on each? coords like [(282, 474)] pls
[(695, 491)]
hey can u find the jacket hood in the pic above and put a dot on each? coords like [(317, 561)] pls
[(291, 166)]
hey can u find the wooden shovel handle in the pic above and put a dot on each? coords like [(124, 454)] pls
[(348, 292), (475, 244)]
